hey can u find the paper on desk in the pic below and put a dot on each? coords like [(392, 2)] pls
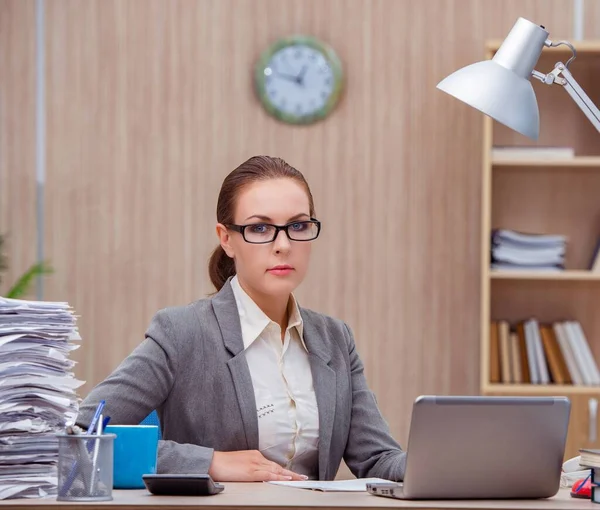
[(50, 382), (354, 485), (37, 393), (28, 490), (40, 470), (17, 341)]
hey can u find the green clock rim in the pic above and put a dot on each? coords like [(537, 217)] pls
[(333, 61)]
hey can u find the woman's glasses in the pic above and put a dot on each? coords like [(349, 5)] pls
[(262, 233)]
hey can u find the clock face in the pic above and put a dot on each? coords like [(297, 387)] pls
[(299, 80)]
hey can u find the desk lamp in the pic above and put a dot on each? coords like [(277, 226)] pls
[(501, 89)]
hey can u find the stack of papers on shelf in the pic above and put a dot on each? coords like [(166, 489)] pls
[(513, 250), (37, 393)]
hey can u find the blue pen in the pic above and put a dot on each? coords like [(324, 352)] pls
[(94, 423), (88, 432), (96, 417)]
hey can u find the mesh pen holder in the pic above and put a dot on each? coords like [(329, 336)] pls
[(85, 467)]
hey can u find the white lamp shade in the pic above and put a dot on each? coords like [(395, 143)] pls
[(499, 93)]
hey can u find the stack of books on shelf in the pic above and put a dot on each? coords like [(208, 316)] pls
[(512, 250), (590, 458), (534, 353), (37, 393)]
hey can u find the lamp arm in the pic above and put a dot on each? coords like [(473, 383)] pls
[(562, 76), (581, 98)]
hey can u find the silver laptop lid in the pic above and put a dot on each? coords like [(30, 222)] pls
[(486, 447)]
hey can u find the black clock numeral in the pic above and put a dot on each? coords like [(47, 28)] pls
[(298, 54), (328, 80), (324, 94)]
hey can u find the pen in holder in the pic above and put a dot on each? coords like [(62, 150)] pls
[(85, 467)]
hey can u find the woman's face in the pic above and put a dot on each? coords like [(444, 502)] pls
[(276, 268)]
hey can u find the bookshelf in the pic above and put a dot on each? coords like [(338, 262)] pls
[(547, 196), (572, 275), (576, 162), (541, 389)]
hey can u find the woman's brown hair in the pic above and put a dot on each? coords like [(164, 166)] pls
[(257, 168)]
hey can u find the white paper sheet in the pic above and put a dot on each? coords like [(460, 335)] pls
[(354, 485)]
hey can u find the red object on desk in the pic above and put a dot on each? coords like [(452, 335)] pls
[(582, 489)]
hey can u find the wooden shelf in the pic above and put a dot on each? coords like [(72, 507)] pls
[(577, 162), (540, 389), (538, 193), (571, 275), (582, 47)]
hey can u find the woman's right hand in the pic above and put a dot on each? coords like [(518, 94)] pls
[(248, 466)]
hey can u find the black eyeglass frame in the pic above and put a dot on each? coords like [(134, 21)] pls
[(242, 228)]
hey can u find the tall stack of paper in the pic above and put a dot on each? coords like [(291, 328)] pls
[(37, 393), (513, 250)]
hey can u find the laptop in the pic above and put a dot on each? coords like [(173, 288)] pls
[(482, 448)]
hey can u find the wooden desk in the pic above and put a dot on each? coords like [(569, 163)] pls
[(262, 496)]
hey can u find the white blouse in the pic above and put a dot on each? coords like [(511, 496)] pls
[(286, 406)]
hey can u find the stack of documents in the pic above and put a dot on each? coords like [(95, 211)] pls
[(513, 250), (37, 393)]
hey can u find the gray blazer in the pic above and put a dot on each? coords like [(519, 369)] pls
[(191, 368)]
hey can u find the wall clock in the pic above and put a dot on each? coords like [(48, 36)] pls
[(299, 79)]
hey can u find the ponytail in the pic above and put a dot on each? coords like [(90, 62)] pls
[(220, 267)]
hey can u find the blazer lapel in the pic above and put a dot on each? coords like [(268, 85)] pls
[(228, 318), (324, 383)]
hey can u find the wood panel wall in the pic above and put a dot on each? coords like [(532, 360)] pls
[(150, 104), (17, 137)]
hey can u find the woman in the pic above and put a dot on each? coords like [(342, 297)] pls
[(248, 385)]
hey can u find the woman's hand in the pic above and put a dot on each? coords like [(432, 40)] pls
[(248, 466)]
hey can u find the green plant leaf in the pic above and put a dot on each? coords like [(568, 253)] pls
[(23, 284)]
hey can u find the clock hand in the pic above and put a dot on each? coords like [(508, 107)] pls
[(288, 77), (287, 64), (301, 75)]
